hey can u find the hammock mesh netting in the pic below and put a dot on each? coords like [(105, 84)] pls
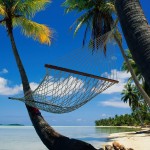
[(74, 80)]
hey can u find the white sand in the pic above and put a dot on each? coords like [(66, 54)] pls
[(137, 140)]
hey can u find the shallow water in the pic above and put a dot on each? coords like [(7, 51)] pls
[(25, 137)]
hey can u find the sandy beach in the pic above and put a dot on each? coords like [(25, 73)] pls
[(139, 140)]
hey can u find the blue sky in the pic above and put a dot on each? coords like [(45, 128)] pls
[(35, 55)]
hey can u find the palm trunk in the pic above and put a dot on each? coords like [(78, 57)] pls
[(139, 116), (47, 134), (137, 33), (141, 90)]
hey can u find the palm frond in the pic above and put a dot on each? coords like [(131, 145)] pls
[(14, 7), (84, 19), (77, 5), (107, 7), (28, 8), (134, 66), (32, 29), (2, 10)]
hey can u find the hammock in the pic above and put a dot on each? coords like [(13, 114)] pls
[(65, 89)]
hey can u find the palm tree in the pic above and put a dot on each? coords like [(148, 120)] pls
[(19, 13), (131, 95), (98, 18), (137, 33)]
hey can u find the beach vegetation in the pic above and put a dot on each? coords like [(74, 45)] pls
[(123, 120)]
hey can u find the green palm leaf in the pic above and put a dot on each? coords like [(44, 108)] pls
[(81, 21), (72, 5), (30, 7), (107, 7)]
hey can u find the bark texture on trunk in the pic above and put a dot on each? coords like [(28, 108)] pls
[(51, 139), (137, 33)]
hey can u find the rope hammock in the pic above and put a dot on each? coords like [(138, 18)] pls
[(69, 85)]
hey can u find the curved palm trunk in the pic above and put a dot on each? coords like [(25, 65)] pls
[(141, 90), (137, 33), (51, 139)]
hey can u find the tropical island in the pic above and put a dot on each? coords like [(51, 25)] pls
[(13, 124)]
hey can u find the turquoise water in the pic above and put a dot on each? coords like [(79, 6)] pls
[(25, 137)]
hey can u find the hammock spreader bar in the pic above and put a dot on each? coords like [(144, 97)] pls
[(79, 73)]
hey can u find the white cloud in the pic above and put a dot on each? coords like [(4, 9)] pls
[(122, 78), (33, 85), (114, 102), (5, 89), (4, 71)]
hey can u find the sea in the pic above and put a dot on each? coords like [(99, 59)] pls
[(25, 137)]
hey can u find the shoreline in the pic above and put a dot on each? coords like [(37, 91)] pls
[(138, 140)]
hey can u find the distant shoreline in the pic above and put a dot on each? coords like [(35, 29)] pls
[(12, 124), (136, 127)]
